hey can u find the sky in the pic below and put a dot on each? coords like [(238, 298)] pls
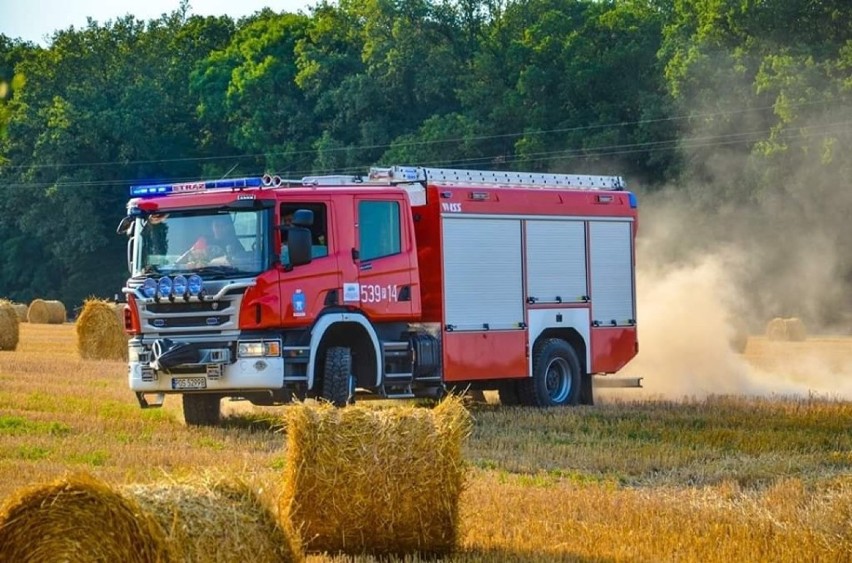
[(36, 20)]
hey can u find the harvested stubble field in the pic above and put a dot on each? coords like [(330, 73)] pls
[(718, 479)]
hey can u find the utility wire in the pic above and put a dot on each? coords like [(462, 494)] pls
[(409, 143), (586, 153)]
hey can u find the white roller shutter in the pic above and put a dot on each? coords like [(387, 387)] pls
[(611, 260), (482, 273), (556, 261)]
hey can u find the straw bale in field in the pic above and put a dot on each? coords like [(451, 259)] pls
[(46, 312), (79, 519), (776, 329), (216, 521), (364, 480), (21, 311), (795, 329), (99, 334), (118, 309), (58, 313), (8, 326)]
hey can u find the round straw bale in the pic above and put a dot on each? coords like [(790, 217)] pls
[(376, 481), (21, 311), (118, 308), (79, 519), (8, 326), (795, 329), (58, 314), (38, 312), (99, 334), (776, 329), (217, 521)]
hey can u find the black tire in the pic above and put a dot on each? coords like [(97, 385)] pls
[(508, 392), (337, 369), (556, 376), (202, 409)]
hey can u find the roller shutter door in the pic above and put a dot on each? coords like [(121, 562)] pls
[(482, 273)]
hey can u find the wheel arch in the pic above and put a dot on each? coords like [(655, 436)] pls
[(573, 338), (351, 330)]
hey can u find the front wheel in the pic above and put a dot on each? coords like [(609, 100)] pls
[(335, 386), (556, 376), (201, 410)]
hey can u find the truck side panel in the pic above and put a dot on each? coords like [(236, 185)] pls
[(427, 227), (477, 355), (612, 348)]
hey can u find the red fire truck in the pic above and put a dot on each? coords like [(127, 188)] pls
[(397, 284)]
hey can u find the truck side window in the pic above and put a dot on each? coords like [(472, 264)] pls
[(319, 230), (379, 232)]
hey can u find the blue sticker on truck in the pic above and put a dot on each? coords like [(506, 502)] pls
[(298, 303)]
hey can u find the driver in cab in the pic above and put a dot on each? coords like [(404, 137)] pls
[(220, 249)]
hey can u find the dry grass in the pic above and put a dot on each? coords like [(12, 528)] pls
[(728, 478)]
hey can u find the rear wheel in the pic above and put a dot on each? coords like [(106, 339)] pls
[(556, 376), (335, 385), (201, 410)]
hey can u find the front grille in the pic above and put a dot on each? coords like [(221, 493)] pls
[(207, 321), (190, 307)]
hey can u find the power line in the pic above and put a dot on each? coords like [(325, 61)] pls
[(409, 143), (586, 153)]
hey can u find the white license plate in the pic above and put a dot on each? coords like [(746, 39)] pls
[(189, 383)]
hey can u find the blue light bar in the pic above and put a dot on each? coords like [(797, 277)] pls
[(166, 189)]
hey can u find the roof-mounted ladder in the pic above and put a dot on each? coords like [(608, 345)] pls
[(407, 174)]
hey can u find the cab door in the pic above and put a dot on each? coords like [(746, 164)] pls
[(384, 258)]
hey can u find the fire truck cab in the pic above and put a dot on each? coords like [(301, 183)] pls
[(397, 284)]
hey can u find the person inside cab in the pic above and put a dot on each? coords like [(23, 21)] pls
[(220, 248)]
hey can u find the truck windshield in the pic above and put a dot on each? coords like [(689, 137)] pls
[(212, 243)]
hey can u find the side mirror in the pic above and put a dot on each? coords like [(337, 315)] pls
[(298, 246), (125, 225)]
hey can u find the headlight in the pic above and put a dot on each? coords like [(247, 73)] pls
[(179, 286), (164, 288), (194, 284), (149, 288), (259, 349)]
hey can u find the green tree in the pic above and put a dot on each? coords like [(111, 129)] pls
[(376, 70), (100, 108), (248, 95)]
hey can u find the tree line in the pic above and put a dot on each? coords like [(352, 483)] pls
[(727, 99)]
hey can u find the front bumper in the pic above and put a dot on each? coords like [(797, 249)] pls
[(242, 375), (216, 371)]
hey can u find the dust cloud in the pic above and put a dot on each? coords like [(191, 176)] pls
[(759, 228), (697, 293)]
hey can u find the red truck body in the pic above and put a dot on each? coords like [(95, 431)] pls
[(396, 284)]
